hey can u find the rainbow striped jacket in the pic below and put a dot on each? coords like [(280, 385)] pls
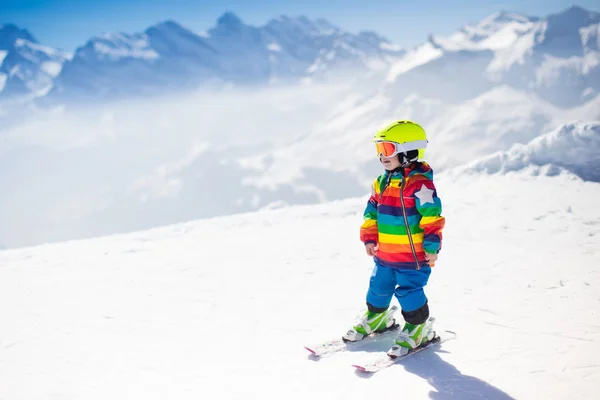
[(399, 200)]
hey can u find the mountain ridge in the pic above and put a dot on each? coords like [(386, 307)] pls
[(555, 56)]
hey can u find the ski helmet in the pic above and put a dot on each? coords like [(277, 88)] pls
[(410, 135)]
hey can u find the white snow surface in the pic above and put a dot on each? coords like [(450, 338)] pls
[(274, 47), (497, 31), (495, 120), (222, 307), (51, 68), (574, 147), (117, 46), (413, 59), (32, 50)]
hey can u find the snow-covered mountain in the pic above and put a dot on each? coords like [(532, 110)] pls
[(556, 57), (573, 147), (497, 31), (458, 133), (167, 57), (26, 67), (494, 120)]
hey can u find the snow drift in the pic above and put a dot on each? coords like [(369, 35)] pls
[(573, 147)]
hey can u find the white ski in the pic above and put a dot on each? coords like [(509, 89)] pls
[(337, 345), (386, 361)]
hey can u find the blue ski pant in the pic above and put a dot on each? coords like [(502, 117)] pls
[(406, 284)]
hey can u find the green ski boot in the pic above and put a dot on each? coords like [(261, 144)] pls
[(370, 323), (411, 337)]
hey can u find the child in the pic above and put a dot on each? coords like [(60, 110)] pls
[(403, 232)]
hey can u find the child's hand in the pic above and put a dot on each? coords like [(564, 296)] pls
[(431, 258), (371, 248)]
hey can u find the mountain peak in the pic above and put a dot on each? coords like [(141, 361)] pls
[(498, 30), (324, 24), (561, 35), (166, 27), (574, 10), (574, 16), (502, 17), (9, 33), (230, 25), (229, 19), (498, 20)]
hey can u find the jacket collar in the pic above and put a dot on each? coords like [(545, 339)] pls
[(412, 168)]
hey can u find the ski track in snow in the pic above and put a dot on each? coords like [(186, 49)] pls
[(224, 306)]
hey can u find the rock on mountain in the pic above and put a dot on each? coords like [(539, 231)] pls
[(26, 67)]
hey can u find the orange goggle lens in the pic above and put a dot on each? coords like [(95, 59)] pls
[(386, 149)]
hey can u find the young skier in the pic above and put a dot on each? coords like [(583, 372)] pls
[(402, 230)]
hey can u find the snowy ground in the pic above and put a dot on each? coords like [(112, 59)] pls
[(221, 308)]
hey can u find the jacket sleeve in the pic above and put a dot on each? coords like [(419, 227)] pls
[(429, 206), (368, 230)]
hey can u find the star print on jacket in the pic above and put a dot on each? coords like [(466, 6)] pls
[(425, 195)]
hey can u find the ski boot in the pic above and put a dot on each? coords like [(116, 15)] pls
[(411, 337), (371, 322)]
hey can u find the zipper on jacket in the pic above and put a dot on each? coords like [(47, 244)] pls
[(410, 240)]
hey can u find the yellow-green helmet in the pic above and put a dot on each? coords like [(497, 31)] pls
[(408, 133)]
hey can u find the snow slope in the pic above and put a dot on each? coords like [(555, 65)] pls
[(574, 147), (222, 307), (493, 121)]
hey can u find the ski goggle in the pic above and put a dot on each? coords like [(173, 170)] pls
[(390, 149)]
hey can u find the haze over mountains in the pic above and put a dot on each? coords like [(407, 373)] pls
[(143, 129)]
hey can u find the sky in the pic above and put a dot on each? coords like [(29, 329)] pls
[(68, 24)]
